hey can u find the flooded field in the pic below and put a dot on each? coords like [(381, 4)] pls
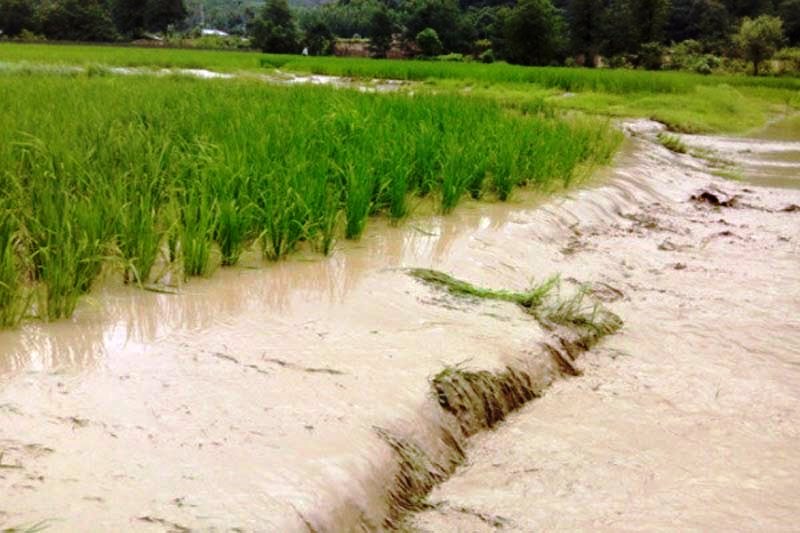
[(298, 396), (768, 157), (689, 419)]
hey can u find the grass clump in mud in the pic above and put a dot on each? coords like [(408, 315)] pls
[(479, 399), (544, 302), (529, 299), (672, 143)]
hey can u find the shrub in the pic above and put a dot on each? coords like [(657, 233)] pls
[(651, 56), (788, 60), (429, 43)]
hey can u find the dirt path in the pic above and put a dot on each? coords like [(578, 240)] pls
[(689, 419), (298, 396)]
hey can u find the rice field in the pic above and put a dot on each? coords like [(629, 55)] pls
[(145, 177), (623, 81)]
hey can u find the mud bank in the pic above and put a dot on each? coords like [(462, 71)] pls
[(311, 395), (689, 419)]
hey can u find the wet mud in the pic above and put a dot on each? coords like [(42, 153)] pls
[(343, 394), (688, 419)]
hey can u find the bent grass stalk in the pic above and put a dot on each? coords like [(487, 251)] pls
[(542, 301)]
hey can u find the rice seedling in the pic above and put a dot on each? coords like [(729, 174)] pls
[(111, 170), (198, 219), (13, 295)]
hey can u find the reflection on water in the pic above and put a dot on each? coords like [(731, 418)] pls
[(120, 319)]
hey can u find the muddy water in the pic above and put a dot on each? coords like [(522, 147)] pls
[(250, 400), (769, 157), (687, 420)]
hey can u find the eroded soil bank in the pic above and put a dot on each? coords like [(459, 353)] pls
[(689, 419), (298, 396)]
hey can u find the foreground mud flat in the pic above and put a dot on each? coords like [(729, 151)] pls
[(298, 396)]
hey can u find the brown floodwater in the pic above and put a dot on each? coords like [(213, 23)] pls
[(250, 400), (768, 157)]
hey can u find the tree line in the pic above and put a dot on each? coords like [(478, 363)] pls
[(89, 20), (531, 32)]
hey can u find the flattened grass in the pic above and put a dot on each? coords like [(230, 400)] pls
[(543, 301)]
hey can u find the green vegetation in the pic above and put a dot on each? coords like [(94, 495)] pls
[(541, 301), (673, 143), (685, 102), (133, 172), (568, 79), (529, 299), (641, 34), (759, 39)]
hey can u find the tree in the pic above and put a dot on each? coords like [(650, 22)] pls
[(15, 16), (701, 20), (534, 33), (445, 18), (789, 11), (274, 30), (128, 16), (586, 27), (318, 39), (759, 38), (628, 24), (429, 43), (650, 18), (159, 14), (381, 29), (77, 20), (619, 28)]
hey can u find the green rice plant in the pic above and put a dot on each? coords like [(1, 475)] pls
[(68, 232), (281, 215), (502, 169), (592, 320), (231, 232), (459, 170), (358, 188), (14, 296), (140, 233), (116, 170), (576, 313), (530, 299), (198, 220)]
